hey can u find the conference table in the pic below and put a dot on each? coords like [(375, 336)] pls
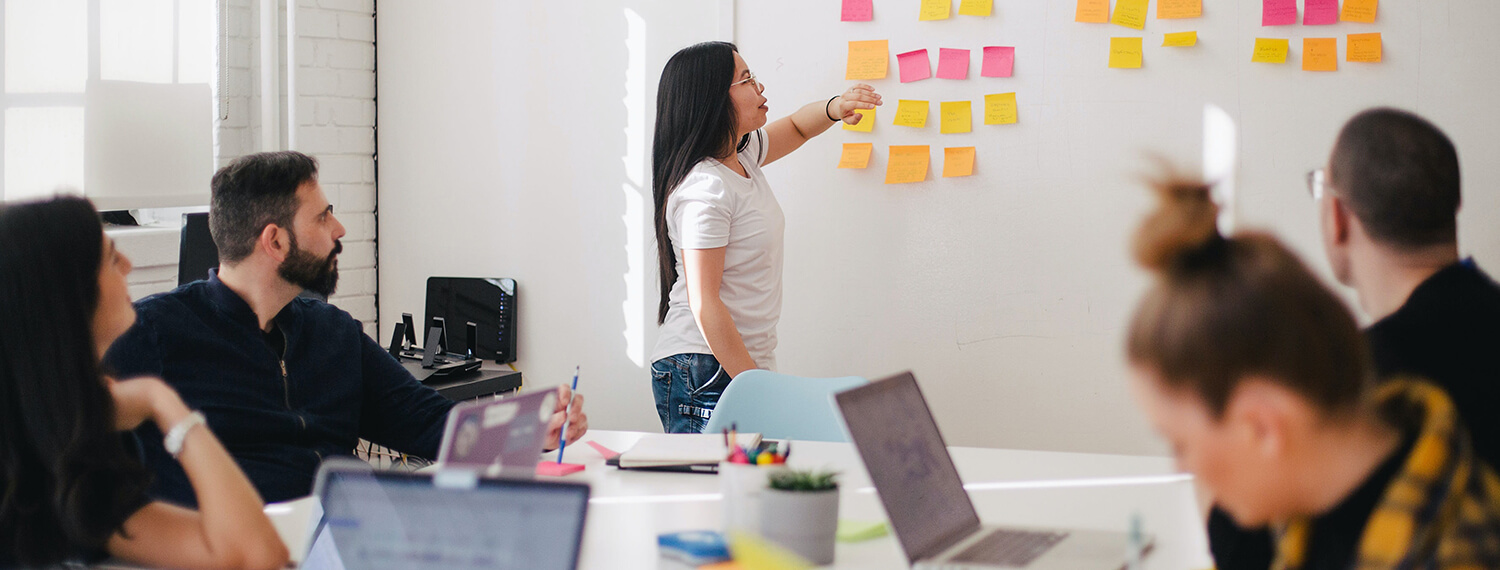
[(629, 508)]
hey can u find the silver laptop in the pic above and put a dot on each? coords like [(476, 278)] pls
[(444, 519), (925, 500), (498, 438)]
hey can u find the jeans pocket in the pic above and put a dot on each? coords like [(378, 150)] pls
[(714, 385)]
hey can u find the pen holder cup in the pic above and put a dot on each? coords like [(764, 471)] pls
[(804, 522), (742, 486)]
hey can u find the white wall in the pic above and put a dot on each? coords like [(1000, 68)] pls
[(1006, 292)]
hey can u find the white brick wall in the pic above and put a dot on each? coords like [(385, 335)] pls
[(336, 123)]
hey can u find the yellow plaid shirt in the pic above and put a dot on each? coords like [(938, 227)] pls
[(1441, 511)]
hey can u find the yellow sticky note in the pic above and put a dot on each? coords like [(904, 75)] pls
[(958, 116), (751, 552), (958, 161), (906, 164), (976, 7), (1364, 47), (868, 60), (1271, 50), (1359, 11), (1172, 9), (1130, 13), (911, 113), (856, 155), (1125, 53), (1092, 11), (1000, 109), (866, 121), (1180, 39), (1320, 54), (936, 9)]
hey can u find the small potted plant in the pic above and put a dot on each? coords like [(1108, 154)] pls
[(800, 511)]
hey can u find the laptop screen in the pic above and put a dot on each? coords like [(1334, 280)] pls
[(902, 449), (381, 520)]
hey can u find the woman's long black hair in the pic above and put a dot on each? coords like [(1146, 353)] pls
[(695, 119), (66, 481)]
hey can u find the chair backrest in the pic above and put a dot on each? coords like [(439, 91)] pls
[(196, 253), (779, 406)]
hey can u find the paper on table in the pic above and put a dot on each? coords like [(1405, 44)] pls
[(958, 161), (1278, 12), (866, 122), (868, 59), (1180, 39), (1320, 12), (1364, 48), (958, 117), (1130, 13), (999, 61), (1172, 9), (664, 449), (1270, 50), (914, 66), (1125, 53), (1000, 109), (936, 9), (856, 155), (858, 11), (907, 164), (911, 113), (953, 63), (1359, 11), (1320, 54), (1092, 12), (976, 7)]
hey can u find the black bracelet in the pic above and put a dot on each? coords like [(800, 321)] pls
[(825, 109)]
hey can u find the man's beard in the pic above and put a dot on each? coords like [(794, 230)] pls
[(317, 274)]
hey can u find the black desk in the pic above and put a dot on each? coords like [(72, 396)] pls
[(477, 384)]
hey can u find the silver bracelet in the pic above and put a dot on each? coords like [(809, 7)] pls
[(178, 434)]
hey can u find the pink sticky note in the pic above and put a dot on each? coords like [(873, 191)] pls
[(1321, 13), (1278, 13), (999, 61), (604, 451), (860, 10), (953, 63), (914, 66), (555, 469)]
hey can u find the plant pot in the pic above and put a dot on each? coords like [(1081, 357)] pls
[(804, 522)]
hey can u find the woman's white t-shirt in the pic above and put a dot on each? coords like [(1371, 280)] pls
[(716, 207)]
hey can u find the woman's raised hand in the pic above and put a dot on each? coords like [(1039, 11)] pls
[(860, 96)]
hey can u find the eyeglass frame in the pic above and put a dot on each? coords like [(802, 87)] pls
[(751, 80), (1317, 183)]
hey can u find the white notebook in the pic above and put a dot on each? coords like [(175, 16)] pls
[(667, 449)]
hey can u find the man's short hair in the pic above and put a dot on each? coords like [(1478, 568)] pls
[(252, 192), (1399, 174)]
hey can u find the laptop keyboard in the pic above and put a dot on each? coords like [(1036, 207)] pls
[(1014, 548)]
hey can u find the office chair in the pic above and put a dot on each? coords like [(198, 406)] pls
[(196, 253), (779, 406)]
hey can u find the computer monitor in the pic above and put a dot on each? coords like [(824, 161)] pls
[(489, 303)]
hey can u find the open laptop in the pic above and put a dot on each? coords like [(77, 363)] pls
[(930, 512), (498, 438), (380, 520)]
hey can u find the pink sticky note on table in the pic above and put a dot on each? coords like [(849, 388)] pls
[(860, 10), (953, 63), (604, 451), (999, 61), (555, 469), (914, 66), (1278, 12), (1321, 13)]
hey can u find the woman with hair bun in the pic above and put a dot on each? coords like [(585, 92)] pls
[(1259, 379)]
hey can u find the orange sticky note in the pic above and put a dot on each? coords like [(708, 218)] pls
[(1130, 13), (868, 60), (1000, 109), (1359, 11), (1364, 48), (936, 10), (1271, 50), (856, 155), (1180, 39), (866, 122), (1092, 12), (907, 164), (976, 7), (911, 113), (1172, 9), (1125, 53), (1320, 54), (958, 117), (958, 161)]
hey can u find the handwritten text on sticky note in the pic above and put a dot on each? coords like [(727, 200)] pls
[(936, 10), (1320, 54), (914, 66), (1000, 109), (910, 113), (858, 11), (1270, 50), (1278, 12), (1364, 48), (856, 155), (1180, 39), (999, 61), (976, 7), (907, 163), (958, 161), (1092, 11), (868, 60), (1130, 13), (1172, 9), (1125, 53), (958, 117), (1362, 11), (1320, 12), (953, 63)]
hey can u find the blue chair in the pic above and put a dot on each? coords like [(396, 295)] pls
[(779, 406)]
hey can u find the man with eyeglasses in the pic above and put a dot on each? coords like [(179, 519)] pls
[(1388, 204)]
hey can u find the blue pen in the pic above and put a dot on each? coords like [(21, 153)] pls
[(562, 438)]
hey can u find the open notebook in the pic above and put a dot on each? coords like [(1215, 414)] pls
[(680, 451)]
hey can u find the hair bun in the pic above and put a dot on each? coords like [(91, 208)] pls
[(1184, 223)]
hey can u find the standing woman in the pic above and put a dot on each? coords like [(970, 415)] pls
[(71, 489), (718, 225)]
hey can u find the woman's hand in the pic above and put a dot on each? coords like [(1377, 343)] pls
[(860, 96), (569, 410), (139, 400)]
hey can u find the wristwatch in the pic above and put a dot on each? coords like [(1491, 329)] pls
[(178, 434)]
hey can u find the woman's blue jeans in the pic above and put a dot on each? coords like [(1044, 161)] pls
[(687, 388)]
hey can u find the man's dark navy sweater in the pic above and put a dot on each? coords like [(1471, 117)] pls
[(279, 415)]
